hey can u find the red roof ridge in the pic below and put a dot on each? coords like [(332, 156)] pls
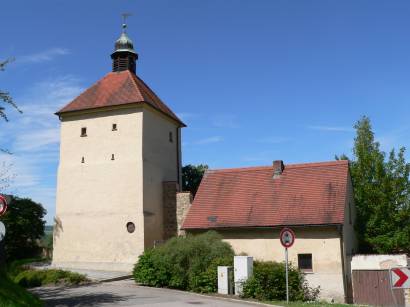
[(292, 165)]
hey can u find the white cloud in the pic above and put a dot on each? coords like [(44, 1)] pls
[(273, 140), (331, 128), (209, 140), (43, 56), (33, 137), (224, 121)]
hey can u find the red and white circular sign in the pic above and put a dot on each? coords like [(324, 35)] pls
[(3, 205), (287, 237)]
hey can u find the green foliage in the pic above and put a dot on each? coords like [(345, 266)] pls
[(192, 176), (5, 97), (382, 194), (268, 283), (25, 225), (35, 278), (12, 294), (187, 263)]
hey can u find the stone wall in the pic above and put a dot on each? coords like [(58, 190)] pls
[(170, 189), (184, 201)]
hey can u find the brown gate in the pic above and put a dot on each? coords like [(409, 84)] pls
[(372, 287)]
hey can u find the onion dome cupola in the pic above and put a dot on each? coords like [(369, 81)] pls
[(124, 56)]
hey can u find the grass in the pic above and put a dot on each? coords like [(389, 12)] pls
[(30, 278), (12, 294)]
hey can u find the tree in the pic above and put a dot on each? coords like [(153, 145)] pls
[(5, 98), (192, 176), (25, 226), (381, 193)]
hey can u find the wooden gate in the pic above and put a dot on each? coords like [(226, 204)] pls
[(372, 287)]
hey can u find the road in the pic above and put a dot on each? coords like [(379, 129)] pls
[(127, 293)]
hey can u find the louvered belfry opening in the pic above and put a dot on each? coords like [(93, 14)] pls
[(124, 56), (123, 61)]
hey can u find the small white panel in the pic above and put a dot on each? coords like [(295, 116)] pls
[(224, 283), (243, 269)]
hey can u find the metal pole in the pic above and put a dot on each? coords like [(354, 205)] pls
[(287, 277)]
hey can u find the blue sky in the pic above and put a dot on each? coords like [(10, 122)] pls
[(255, 81)]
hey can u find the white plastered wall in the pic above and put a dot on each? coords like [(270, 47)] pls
[(161, 159), (322, 242), (97, 198)]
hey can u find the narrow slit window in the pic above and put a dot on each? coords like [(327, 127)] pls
[(83, 131), (171, 137), (305, 262), (82, 160), (112, 157), (114, 127)]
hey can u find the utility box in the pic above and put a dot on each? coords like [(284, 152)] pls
[(225, 280), (243, 269)]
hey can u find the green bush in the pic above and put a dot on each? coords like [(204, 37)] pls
[(268, 283), (14, 295), (30, 278), (187, 263)]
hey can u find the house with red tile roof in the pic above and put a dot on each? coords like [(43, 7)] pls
[(120, 146), (250, 206)]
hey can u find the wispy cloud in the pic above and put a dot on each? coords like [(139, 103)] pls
[(33, 137), (209, 140), (331, 128), (273, 140), (43, 56), (224, 121)]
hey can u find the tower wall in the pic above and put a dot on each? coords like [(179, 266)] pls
[(96, 199), (161, 158)]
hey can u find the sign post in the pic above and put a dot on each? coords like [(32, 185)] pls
[(287, 238), (3, 209)]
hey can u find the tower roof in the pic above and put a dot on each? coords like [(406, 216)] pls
[(116, 89), (124, 43)]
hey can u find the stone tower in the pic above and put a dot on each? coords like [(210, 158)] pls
[(120, 156)]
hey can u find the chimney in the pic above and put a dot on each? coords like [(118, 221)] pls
[(278, 168)]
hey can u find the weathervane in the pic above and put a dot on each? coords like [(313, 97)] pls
[(124, 19)]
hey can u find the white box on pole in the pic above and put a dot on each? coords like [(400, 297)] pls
[(225, 280), (243, 269)]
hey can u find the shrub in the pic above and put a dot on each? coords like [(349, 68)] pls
[(268, 283), (187, 263), (35, 278), (13, 295)]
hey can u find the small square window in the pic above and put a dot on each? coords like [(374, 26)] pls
[(83, 131), (305, 262), (114, 127), (171, 137)]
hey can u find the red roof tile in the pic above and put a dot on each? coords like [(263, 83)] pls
[(305, 194), (118, 88)]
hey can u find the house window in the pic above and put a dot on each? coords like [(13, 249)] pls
[(305, 262), (83, 131), (114, 127), (171, 137)]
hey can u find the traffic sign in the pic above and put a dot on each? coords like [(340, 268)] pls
[(400, 278), (3, 205), (2, 231), (287, 237)]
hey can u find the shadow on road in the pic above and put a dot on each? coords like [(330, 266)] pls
[(65, 296)]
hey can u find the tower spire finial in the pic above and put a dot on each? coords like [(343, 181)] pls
[(124, 21)]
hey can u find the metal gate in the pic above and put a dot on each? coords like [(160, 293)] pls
[(372, 287)]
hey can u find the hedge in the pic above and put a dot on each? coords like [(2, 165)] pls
[(186, 263), (268, 283)]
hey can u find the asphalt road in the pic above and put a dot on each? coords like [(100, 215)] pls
[(127, 293)]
